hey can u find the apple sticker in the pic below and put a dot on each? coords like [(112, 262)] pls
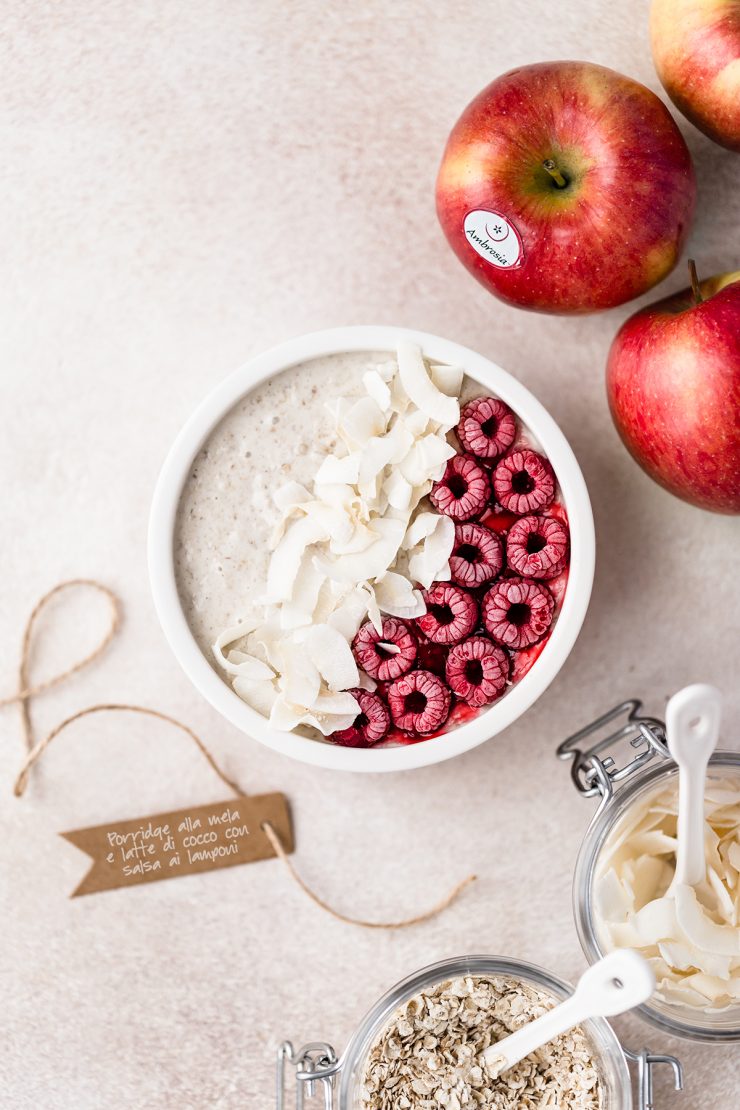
[(494, 238)]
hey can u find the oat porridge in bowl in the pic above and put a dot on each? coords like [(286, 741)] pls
[(371, 548)]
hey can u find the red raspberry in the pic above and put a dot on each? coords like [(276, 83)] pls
[(537, 547), (451, 614), (517, 612), (524, 482), (487, 427), (370, 725), (477, 557), (463, 491), (477, 670), (420, 702), (375, 659)]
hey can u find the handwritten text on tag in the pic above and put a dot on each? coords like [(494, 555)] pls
[(184, 842)]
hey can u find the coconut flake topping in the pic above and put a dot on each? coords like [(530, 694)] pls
[(690, 936), (354, 546)]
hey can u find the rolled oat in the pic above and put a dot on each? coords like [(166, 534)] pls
[(429, 1056)]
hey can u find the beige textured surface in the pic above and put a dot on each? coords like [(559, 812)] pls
[(183, 185)]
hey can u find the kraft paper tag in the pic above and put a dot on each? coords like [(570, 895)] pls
[(184, 842)]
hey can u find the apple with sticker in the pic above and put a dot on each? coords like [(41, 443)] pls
[(566, 187)]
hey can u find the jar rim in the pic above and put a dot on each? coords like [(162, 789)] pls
[(601, 825), (609, 1053)]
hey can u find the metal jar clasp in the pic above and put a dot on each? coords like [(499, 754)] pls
[(315, 1066), (645, 1062), (592, 772)]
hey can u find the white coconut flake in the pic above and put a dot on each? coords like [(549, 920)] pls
[(332, 712), (690, 935), (350, 613), (382, 451), (288, 555), (429, 561), (362, 420), (427, 459), (351, 548), (447, 378), (420, 388), (328, 714), (260, 695), (290, 494), (373, 562), (299, 610), (398, 491), (299, 679), (332, 656), (378, 389), (338, 471), (395, 595), (699, 928)]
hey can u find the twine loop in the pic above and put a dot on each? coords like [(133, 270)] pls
[(27, 691)]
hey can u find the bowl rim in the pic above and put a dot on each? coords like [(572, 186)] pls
[(161, 534)]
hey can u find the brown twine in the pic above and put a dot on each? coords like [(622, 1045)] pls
[(403, 924), (37, 751), (26, 692)]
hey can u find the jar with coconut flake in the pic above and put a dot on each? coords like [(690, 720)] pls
[(622, 891), (422, 1046)]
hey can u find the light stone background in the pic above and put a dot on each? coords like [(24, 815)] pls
[(183, 185)]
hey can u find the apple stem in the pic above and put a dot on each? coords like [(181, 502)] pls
[(695, 287), (555, 174)]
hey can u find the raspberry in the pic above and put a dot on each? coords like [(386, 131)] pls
[(375, 659), (419, 702), (487, 427), (464, 490), (370, 725), (477, 670), (451, 614), (537, 547), (523, 482), (517, 612), (477, 557)]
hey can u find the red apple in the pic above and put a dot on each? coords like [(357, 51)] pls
[(566, 187), (696, 48), (673, 382)]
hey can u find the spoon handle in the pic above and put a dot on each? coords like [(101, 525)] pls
[(616, 983), (692, 726), (509, 1051)]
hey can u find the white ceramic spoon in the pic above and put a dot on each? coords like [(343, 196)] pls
[(616, 983), (692, 721)]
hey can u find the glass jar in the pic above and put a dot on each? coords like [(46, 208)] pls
[(318, 1071), (620, 788)]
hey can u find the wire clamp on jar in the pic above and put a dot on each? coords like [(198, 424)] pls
[(593, 774), (645, 1062), (315, 1066)]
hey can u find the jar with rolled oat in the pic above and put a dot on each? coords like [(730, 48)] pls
[(421, 1047), (623, 891)]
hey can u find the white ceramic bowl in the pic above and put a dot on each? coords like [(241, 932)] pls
[(221, 696)]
